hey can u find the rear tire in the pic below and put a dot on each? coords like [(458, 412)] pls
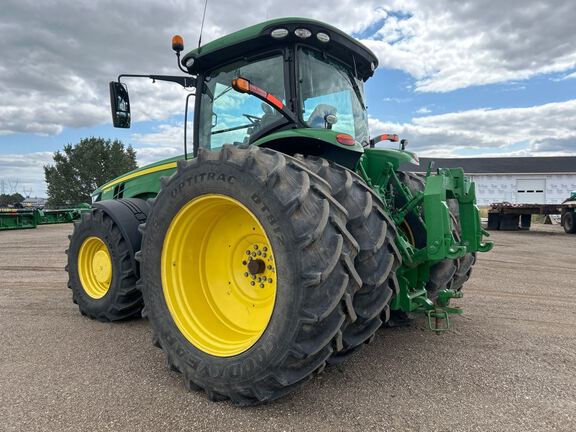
[(313, 254), (104, 287), (378, 258)]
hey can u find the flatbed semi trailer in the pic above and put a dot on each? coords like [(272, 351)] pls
[(506, 216)]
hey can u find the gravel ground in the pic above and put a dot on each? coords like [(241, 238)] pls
[(508, 365)]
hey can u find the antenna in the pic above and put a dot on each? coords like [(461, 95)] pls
[(202, 26)]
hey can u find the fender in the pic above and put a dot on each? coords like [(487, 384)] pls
[(127, 214)]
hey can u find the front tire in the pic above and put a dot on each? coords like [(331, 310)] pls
[(232, 200), (100, 271)]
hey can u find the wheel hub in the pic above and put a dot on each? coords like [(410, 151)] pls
[(256, 266), (216, 256), (95, 267), (101, 266)]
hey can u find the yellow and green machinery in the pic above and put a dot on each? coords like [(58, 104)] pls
[(285, 238), (23, 218)]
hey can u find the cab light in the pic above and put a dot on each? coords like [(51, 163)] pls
[(345, 139), (241, 85), (323, 37), (189, 62), (303, 33), (177, 43), (279, 33)]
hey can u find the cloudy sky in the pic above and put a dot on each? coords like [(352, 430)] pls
[(457, 78)]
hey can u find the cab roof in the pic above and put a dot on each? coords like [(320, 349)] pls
[(257, 38)]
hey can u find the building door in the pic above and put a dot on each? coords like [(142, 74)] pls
[(531, 191)]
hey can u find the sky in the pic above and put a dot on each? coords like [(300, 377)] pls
[(456, 78)]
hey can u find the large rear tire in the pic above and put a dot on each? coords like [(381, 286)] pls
[(377, 259), (100, 271), (195, 285)]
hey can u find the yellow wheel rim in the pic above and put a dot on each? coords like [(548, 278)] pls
[(95, 267), (218, 275)]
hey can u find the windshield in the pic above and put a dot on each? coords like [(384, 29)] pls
[(328, 87), (229, 117)]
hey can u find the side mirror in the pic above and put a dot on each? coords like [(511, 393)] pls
[(120, 105)]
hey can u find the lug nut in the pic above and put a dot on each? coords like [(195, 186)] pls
[(255, 247), (244, 262), (245, 274), (264, 248), (269, 280), (269, 267), (259, 253), (261, 285), (252, 283)]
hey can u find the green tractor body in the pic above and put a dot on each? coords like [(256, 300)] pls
[(285, 96)]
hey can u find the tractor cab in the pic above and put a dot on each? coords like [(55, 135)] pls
[(303, 74), (291, 74)]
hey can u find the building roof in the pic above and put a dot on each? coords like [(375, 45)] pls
[(502, 165)]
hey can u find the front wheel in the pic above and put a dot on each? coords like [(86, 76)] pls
[(100, 271), (247, 273)]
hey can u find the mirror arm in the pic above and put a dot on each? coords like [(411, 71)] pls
[(182, 80), (178, 61)]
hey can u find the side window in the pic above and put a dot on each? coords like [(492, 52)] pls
[(229, 117)]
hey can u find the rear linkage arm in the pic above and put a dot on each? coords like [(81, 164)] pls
[(440, 242)]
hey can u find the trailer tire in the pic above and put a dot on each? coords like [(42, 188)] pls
[(569, 222)]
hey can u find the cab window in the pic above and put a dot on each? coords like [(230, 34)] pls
[(229, 117)]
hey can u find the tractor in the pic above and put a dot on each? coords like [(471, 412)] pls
[(286, 237)]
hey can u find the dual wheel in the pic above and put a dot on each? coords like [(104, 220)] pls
[(257, 269)]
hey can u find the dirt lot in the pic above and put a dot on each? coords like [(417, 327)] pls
[(509, 364)]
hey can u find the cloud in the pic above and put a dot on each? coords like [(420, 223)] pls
[(167, 140), (423, 110), (58, 56), (569, 76), (546, 129), (24, 172), (447, 45)]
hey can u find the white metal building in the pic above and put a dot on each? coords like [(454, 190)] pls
[(519, 180)]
